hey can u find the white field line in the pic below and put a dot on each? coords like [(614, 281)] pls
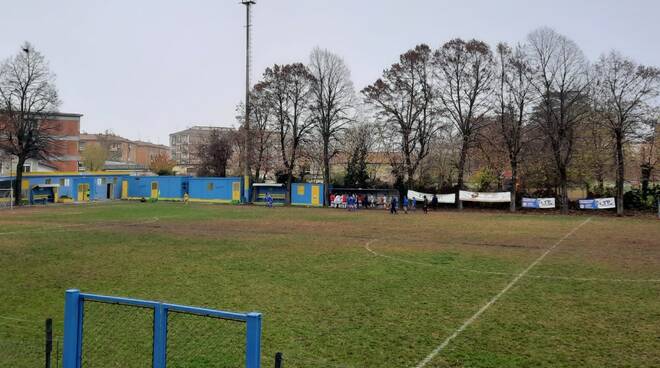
[(551, 277), (66, 227), (515, 280)]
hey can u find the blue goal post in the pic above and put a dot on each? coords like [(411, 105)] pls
[(74, 329)]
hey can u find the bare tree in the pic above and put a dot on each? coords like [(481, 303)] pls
[(214, 154), (94, 156), (358, 144), (261, 113), (464, 70), (650, 153), (623, 92), (27, 97), (404, 101), (333, 100), (562, 82), (262, 134), (288, 91), (514, 96)]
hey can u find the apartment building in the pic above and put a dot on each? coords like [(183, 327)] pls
[(184, 145), (65, 128), (124, 151)]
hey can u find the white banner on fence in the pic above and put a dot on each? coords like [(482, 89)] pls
[(538, 203), (484, 197), (442, 198), (597, 204)]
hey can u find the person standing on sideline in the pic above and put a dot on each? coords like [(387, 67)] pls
[(269, 200), (434, 202), (414, 203), (405, 205), (426, 205), (393, 205)]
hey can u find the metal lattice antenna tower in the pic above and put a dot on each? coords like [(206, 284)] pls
[(248, 49)]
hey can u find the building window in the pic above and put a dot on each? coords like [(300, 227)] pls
[(27, 168), (209, 186), (61, 182), (48, 181)]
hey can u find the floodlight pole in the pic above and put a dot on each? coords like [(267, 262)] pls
[(247, 172)]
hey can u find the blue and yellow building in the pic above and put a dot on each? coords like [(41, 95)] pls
[(101, 186)]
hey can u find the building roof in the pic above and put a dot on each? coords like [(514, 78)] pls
[(153, 145), (201, 129), (108, 137), (117, 138), (67, 114)]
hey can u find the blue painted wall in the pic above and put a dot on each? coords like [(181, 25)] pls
[(169, 187), (216, 189), (98, 184), (301, 194)]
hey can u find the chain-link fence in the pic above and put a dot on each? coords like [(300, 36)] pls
[(126, 333), (116, 336), (200, 341), (22, 347), (6, 198)]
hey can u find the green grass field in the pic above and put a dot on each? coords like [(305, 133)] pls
[(337, 289)]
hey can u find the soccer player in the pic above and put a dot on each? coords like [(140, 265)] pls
[(426, 205), (405, 204), (269, 200), (393, 206)]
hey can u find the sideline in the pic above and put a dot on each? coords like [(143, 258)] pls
[(515, 280)]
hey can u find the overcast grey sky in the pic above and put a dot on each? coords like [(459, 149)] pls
[(146, 68)]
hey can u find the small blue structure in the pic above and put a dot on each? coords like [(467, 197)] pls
[(218, 190), (64, 187), (165, 188), (82, 187), (307, 194), (276, 190)]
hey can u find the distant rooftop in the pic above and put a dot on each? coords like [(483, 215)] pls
[(117, 138), (202, 128)]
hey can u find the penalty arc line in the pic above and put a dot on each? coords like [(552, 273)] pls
[(515, 280)]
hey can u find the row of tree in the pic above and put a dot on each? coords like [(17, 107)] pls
[(541, 96)]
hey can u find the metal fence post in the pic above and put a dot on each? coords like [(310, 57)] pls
[(159, 359), (253, 341), (49, 341), (278, 360), (72, 329)]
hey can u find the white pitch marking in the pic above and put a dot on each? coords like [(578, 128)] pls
[(551, 277), (474, 317)]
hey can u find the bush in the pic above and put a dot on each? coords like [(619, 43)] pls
[(633, 199)]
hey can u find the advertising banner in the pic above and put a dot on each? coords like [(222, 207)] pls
[(538, 203), (442, 198), (597, 204), (484, 197)]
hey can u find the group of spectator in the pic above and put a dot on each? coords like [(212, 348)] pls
[(353, 201)]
